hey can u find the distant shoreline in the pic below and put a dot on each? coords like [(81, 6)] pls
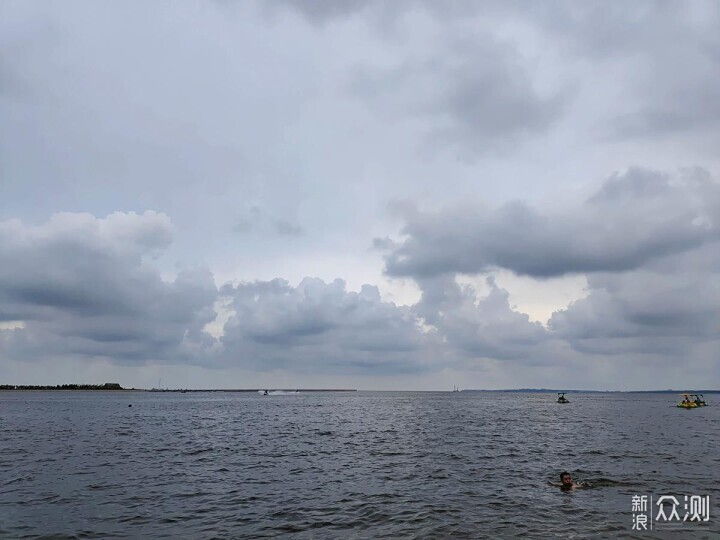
[(114, 387)]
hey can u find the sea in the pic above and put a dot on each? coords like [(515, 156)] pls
[(471, 464)]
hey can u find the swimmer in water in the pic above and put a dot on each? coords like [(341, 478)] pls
[(566, 481), (567, 484)]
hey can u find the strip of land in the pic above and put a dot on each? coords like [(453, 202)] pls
[(106, 386), (117, 387)]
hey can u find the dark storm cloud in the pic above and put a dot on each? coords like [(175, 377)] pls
[(633, 218), (322, 326), (476, 95), (81, 287)]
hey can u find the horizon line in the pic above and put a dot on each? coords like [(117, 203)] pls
[(99, 387)]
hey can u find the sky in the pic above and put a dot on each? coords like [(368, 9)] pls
[(407, 195)]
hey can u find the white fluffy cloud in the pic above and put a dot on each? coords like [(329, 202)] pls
[(320, 326), (655, 310)]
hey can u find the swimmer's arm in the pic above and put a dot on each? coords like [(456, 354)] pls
[(583, 484)]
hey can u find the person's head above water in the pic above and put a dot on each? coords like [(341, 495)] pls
[(566, 479)]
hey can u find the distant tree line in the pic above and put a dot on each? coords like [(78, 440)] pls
[(106, 386)]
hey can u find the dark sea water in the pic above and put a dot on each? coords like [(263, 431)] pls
[(347, 465)]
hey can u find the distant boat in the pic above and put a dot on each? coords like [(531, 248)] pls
[(455, 389), (277, 392), (561, 398), (692, 401)]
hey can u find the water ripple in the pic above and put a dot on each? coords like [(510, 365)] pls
[(381, 465)]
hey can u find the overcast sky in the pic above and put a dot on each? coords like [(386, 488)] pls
[(361, 194)]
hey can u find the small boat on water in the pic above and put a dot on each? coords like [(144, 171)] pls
[(455, 389), (692, 401), (561, 398), (687, 403)]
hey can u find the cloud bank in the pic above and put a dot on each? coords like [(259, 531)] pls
[(81, 286), (631, 220)]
